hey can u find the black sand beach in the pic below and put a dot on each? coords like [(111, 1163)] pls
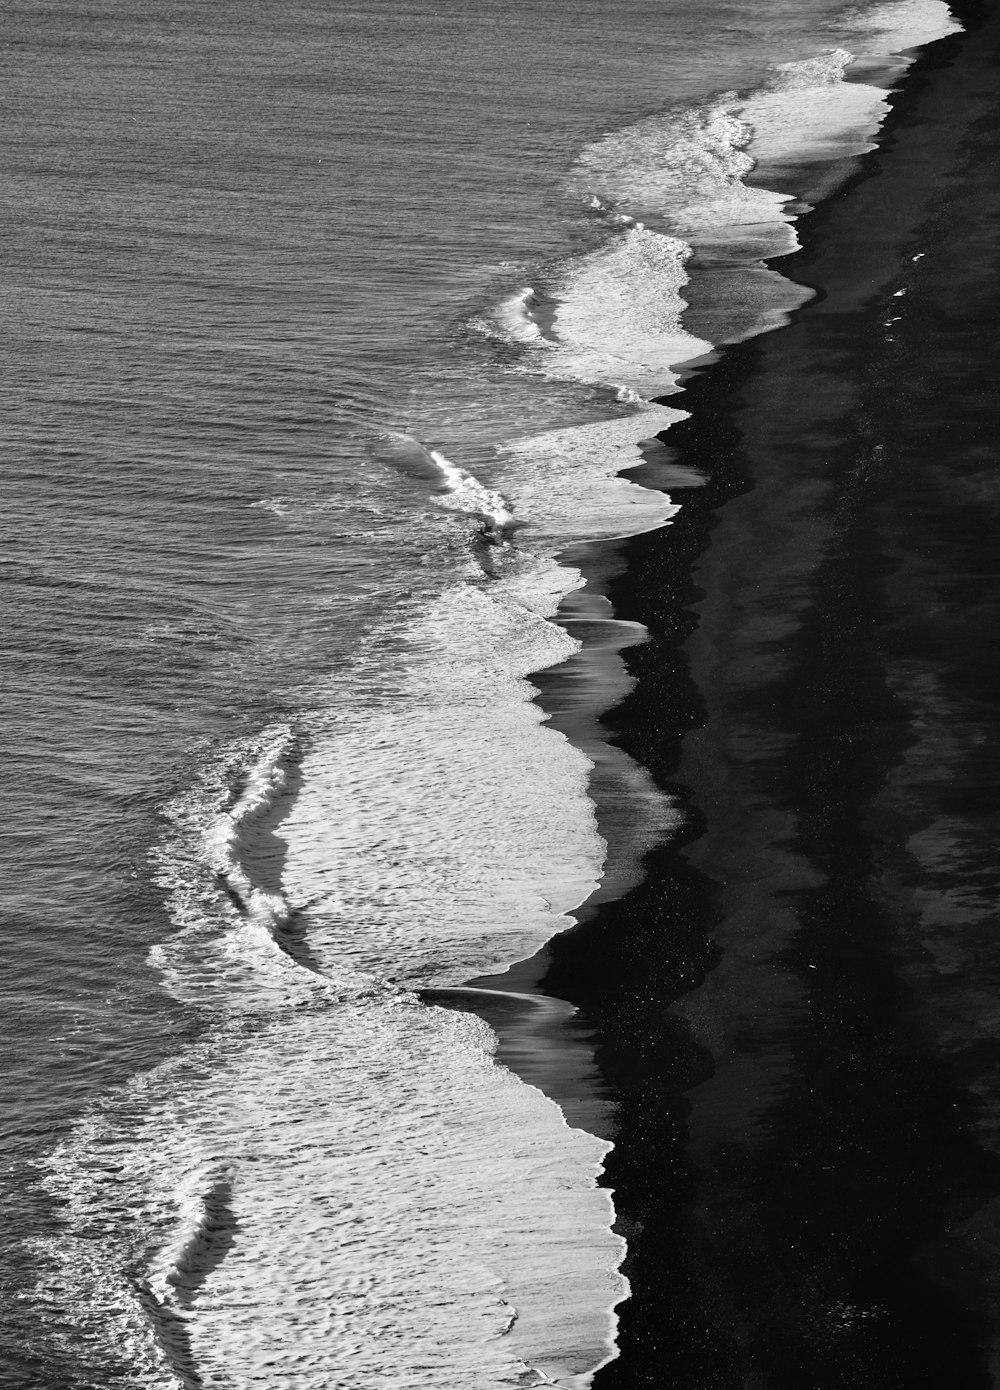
[(795, 1012)]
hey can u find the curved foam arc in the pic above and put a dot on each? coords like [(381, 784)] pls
[(488, 838), (585, 464), (358, 1197), (566, 484), (634, 814), (225, 954), (899, 25), (809, 113), (263, 781), (618, 321), (537, 582), (687, 165)]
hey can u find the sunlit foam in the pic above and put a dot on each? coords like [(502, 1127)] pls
[(357, 1196), (899, 25), (565, 483), (618, 320), (225, 952), (808, 112), (467, 494), (341, 1187), (514, 319), (686, 166), (445, 832), (458, 491)]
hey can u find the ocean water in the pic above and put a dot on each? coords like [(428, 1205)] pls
[(330, 333)]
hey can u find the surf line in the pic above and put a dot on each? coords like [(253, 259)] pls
[(512, 1013)]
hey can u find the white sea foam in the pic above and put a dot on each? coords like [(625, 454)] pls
[(686, 165), (467, 494), (618, 322), (263, 780), (514, 319), (685, 170), (325, 1130), (565, 483), (809, 113), (898, 25), (619, 315), (459, 490), (226, 953), (356, 1196), (487, 840)]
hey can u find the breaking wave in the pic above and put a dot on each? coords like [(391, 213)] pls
[(514, 317), (459, 490)]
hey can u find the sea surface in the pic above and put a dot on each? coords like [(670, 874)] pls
[(329, 332)]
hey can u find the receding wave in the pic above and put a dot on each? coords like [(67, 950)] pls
[(809, 114), (511, 320), (487, 839)]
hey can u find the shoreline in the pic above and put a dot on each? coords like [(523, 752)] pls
[(702, 1085)]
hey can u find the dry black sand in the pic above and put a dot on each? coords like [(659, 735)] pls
[(797, 1014)]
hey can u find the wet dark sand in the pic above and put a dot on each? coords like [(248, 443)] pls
[(797, 1013)]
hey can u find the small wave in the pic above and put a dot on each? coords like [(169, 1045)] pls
[(94, 1274), (278, 506), (264, 780), (512, 321), (610, 212), (459, 490), (514, 317), (467, 494), (203, 1233), (823, 70)]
